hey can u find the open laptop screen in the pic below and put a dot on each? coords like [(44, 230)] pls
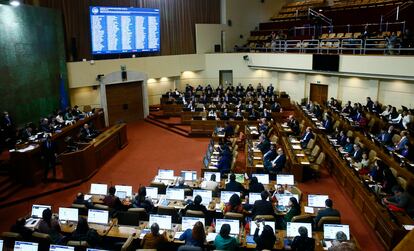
[(163, 221), (188, 222), (37, 210), (126, 189), (316, 200), (98, 216), (207, 176), (253, 227), (175, 194), (283, 199), (25, 246), (253, 197), (225, 196), (239, 178), (234, 225), (61, 248), (285, 179), (330, 230), (165, 174), (68, 214), (292, 229), (206, 196), (262, 178), (152, 192), (99, 189), (1, 245), (189, 175)]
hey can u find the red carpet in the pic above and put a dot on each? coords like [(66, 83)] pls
[(150, 148)]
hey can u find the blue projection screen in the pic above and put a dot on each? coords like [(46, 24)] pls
[(124, 30)]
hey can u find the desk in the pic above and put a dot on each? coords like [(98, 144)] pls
[(206, 127)]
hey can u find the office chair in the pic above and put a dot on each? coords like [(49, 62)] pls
[(43, 240), (78, 245), (194, 213), (266, 217), (166, 210), (328, 220), (305, 218), (83, 210), (233, 216), (9, 238)]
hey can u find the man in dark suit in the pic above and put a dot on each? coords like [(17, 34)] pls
[(263, 127), (385, 137), (266, 114), (307, 137), (228, 130), (327, 124), (7, 131), (263, 206), (328, 211), (264, 144), (269, 90), (269, 156), (224, 163), (49, 155), (370, 104), (234, 186), (87, 133), (357, 155), (279, 162), (294, 125)]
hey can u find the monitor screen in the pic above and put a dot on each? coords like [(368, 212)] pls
[(126, 189), (189, 175), (325, 62), (121, 194), (239, 177), (207, 176), (283, 199), (225, 196), (163, 221), (206, 196), (94, 249), (152, 192), (292, 229), (253, 226), (188, 222), (61, 248), (99, 189), (1, 245), (166, 174), (25, 246), (262, 178), (123, 30), (37, 210), (285, 179), (175, 194), (98, 216), (68, 214), (234, 225), (330, 230), (253, 197), (316, 200)]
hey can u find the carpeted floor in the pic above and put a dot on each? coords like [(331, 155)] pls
[(150, 148)]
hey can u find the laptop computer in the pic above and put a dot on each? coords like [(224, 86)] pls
[(239, 178), (152, 192), (126, 189), (68, 214), (189, 175), (283, 200), (61, 248), (316, 200), (163, 221), (262, 178), (36, 215), (253, 197), (165, 174), (25, 246), (234, 225), (206, 196), (329, 233), (99, 189), (292, 229), (175, 194), (285, 179), (225, 195), (253, 226), (98, 216), (207, 176), (189, 222)]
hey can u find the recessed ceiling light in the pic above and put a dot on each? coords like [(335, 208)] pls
[(15, 3)]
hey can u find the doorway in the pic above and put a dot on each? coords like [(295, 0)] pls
[(318, 93), (226, 77), (125, 102)]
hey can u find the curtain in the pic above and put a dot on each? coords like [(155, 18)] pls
[(177, 17)]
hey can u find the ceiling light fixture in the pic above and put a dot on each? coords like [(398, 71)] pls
[(14, 3)]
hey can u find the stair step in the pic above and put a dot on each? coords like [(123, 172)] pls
[(166, 126), (8, 187)]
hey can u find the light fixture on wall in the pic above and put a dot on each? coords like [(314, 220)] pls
[(14, 3)]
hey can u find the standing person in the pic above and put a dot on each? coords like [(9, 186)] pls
[(49, 155), (224, 241), (194, 237)]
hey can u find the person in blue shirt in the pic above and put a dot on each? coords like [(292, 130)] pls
[(194, 237)]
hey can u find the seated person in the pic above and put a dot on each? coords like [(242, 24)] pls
[(266, 240), (389, 180), (234, 205), (341, 139), (71, 146), (210, 184), (266, 114), (349, 146), (385, 137), (50, 225), (403, 141), (341, 243), (233, 185), (154, 240), (196, 206), (80, 199), (357, 154), (255, 186), (328, 211), (302, 242), (307, 136), (401, 200), (263, 127), (269, 156), (376, 174), (279, 162), (294, 210), (111, 200), (280, 189), (45, 126), (84, 233), (264, 144), (194, 237), (228, 130), (363, 165), (263, 206), (86, 133), (224, 241), (141, 201), (294, 125), (19, 227), (408, 152), (181, 183)]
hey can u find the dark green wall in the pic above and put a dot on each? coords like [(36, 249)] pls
[(32, 57)]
